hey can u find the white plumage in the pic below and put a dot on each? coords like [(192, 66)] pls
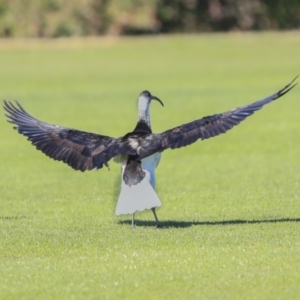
[(141, 196)]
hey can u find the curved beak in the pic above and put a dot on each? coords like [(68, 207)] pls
[(157, 99)]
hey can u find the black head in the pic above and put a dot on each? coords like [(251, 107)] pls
[(146, 95)]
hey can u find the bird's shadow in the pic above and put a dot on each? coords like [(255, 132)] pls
[(9, 218), (185, 224)]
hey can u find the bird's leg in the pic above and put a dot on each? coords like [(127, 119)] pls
[(158, 224), (132, 222)]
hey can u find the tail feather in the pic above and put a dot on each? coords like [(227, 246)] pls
[(133, 173), (137, 197)]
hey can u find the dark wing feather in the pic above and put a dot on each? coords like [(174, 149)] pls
[(80, 150), (206, 127)]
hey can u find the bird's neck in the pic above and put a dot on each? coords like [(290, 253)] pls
[(144, 113)]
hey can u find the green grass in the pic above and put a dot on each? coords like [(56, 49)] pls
[(231, 206)]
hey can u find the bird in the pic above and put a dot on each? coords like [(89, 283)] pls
[(86, 151), (129, 200)]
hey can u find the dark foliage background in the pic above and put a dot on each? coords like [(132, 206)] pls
[(55, 18)]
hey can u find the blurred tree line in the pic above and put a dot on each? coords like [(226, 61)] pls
[(55, 18)]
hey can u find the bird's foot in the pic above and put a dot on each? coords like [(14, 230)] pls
[(158, 225), (133, 226)]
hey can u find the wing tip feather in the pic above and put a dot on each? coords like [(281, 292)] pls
[(287, 88)]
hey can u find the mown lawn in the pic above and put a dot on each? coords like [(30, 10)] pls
[(231, 205)]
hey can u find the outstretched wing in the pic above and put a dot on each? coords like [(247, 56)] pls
[(80, 150), (206, 127)]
